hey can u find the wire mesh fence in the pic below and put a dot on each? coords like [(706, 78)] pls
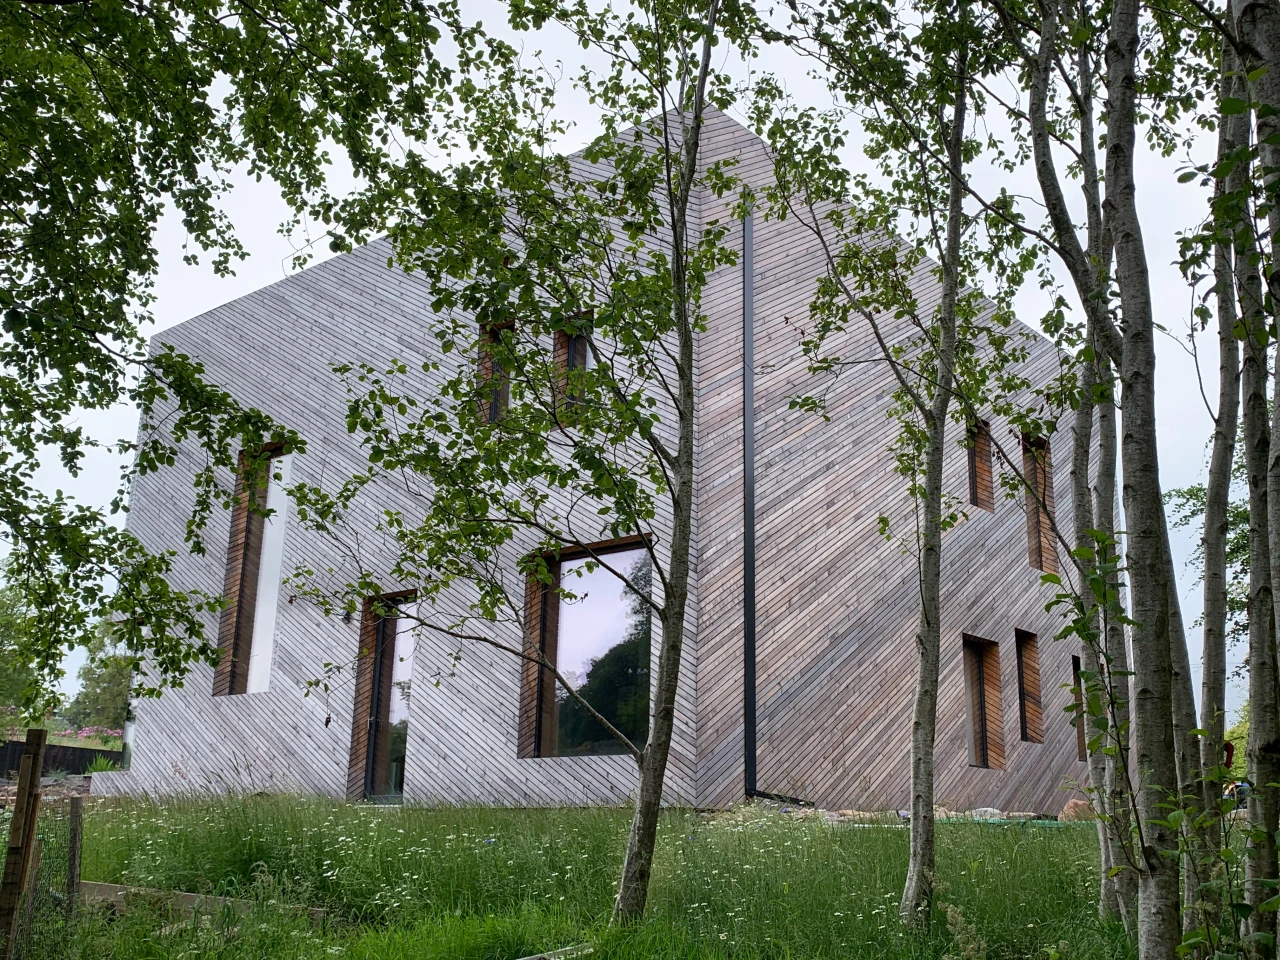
[(47, 907)]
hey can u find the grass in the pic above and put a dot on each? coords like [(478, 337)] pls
[(91, 743), (408, 882)]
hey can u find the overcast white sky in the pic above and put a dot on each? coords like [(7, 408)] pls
[(1166, 206)]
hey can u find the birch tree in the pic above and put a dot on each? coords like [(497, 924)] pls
[(908, 87), (1221, 471), (1239, 235), (505, 454), (1151, 591), (1052, 64)]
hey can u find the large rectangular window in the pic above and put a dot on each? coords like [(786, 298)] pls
[(981, 482), (1078, 718), (600, 643), (251, 584), (380, 722), (1037, 470), (1030, 712), (982, 693)]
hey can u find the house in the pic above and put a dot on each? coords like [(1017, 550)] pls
[(830, 634)]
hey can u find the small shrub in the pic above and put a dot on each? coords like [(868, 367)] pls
[(101, 764)]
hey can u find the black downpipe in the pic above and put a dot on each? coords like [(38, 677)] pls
[(748, 511)]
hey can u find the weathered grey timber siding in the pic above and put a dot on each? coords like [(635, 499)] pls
[(273, 349), (837, 604)]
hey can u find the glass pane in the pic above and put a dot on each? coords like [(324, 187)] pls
[(393, 677), (603, 651), (398, 718)]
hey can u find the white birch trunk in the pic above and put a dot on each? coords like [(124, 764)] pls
[(917, 893), (637, 867), (1152, 745)]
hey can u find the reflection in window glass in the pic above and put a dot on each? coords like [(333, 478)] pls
[(602, 649)]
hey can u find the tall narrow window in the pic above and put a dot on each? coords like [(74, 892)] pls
[(1030, 713), (251, 584), (1037, 470), (982, 689), (572, 355), (493, 382), (380, 724), (599, 642), (1078, 718), (981, 485)]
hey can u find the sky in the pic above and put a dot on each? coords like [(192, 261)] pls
[(184, 291)]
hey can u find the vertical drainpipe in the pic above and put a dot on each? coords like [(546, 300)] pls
[(748, 513)]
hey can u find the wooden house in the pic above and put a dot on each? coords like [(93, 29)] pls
[(792, 581)]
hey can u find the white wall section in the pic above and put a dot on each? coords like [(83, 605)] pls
[(269, 572)]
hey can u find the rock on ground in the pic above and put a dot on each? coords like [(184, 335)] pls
[(1076, 810)]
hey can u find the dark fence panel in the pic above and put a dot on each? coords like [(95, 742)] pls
[(67, 759)]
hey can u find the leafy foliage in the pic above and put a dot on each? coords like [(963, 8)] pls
[(106, 680), (111, 114), (1187, 504), (16, 676)]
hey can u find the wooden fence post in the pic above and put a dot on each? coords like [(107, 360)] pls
[(22, 831), (33, 872), (75, 837)]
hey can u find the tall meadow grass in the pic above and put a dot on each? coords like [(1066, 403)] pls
[(407, 882)]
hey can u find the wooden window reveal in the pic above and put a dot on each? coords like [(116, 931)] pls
[(492, 381), (1078, 719), (376, 611), (1037, 470), (240, 580), (986, 716), (538, 684), (981, 483), (1030, 709)]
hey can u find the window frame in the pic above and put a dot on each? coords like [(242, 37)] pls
[(571, 351), (982, 688), (981, 468), (493, 382), (1030, 703), (372, 618), (1078, 711), (541, 635), (241, 571)]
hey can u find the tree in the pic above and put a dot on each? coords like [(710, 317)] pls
[(112, 112), (1187, 505), (508, 456), (16, 676), (1216, 544), (908, 79), (106, 680), (1051, 64)]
